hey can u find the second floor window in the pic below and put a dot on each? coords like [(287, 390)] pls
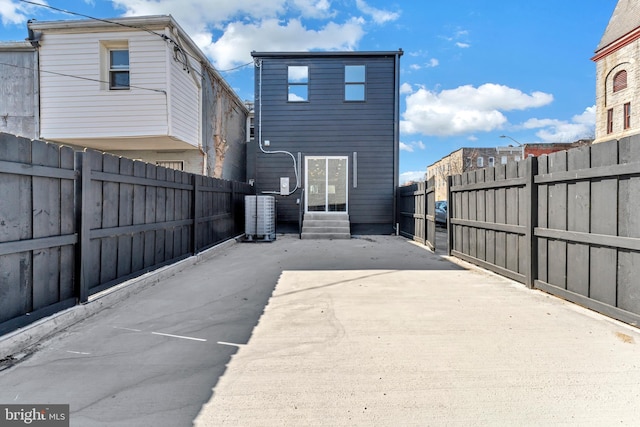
[(480, 162), (119, 69), (620, 81), (610, 120), (492, 162), (354, 82), (298, 83), (627, 115)]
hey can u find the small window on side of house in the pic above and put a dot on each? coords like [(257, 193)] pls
[(480, 162), (298, 83), (354, 82), (492, 162), (503, 160), (118, 69), (171, 164)]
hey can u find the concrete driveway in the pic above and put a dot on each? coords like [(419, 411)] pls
[(369, 331)]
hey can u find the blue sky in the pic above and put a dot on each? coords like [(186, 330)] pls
[(472, 70)]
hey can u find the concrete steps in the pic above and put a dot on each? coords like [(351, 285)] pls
[(326, 226)]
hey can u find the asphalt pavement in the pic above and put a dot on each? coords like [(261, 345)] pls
[(372, 331)]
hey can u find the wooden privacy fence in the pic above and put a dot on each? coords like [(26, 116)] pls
[(567, 223), (416, 212), (75, 223)]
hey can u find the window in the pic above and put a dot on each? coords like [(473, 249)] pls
[(620, 81), (251, 128), (610, 120), (492, 162), (354, 82), (627, 115), (171, 164), (516, 158), (298, 78), (480, 162), (118, 69), (503, 160)]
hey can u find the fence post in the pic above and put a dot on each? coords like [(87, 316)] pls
[(425, 221), (82, 207), (194, 214), (532, 221), (450, 206)]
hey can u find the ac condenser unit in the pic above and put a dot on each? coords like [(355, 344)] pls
[(260, 217)]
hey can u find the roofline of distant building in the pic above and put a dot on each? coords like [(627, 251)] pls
[(618, 44), (318, 54)]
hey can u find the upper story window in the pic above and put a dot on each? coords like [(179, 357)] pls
[(620, 81), (354, 82), (480, 162), (627, 115), (114, 65), (298, 83), (118, 69), (492, 162), (610, 120)]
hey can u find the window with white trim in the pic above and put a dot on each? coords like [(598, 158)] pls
[(171, 164), (115, 70)]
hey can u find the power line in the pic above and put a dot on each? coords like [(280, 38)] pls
[(135, 27), (236, 68), (80, 77), (164, 37)]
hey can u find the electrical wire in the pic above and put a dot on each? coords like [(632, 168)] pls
[(163, 36), (80, 77), (236, 68)]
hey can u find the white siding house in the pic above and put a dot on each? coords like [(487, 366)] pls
[(129, 86)]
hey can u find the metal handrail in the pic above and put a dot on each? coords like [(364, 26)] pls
[(300, 213)]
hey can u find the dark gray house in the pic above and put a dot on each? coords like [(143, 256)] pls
[(327, 139)]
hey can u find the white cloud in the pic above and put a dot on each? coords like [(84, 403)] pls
[(412, 176), (379, 16), (228, 31), (463, 45), (14, 13), (553, 130), (405, 88), (433, 62), (412, 146), (466, 109), (239, 39), (406, 147)]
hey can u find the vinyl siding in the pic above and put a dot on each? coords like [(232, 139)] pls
[(76, 108), (185, 101), (326, 125)]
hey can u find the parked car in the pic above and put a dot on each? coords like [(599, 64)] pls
[(441, 213)]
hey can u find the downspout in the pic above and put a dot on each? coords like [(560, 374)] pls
[(396, 135)]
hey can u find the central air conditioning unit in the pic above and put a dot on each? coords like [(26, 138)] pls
[(260, 218)]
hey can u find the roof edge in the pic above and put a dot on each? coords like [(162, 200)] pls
[(299, 54)]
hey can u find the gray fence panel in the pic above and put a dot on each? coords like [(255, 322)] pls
[(75, 223), (489, 219), (578, 212), (36, 230), (566, 223), (416, 212)]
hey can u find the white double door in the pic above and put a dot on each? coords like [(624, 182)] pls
[(326, 184)]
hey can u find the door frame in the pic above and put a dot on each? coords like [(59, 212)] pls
[(306, 183)]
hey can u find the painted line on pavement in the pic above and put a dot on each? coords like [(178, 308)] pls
[(230, 344), (178, 336), (78, 352)]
